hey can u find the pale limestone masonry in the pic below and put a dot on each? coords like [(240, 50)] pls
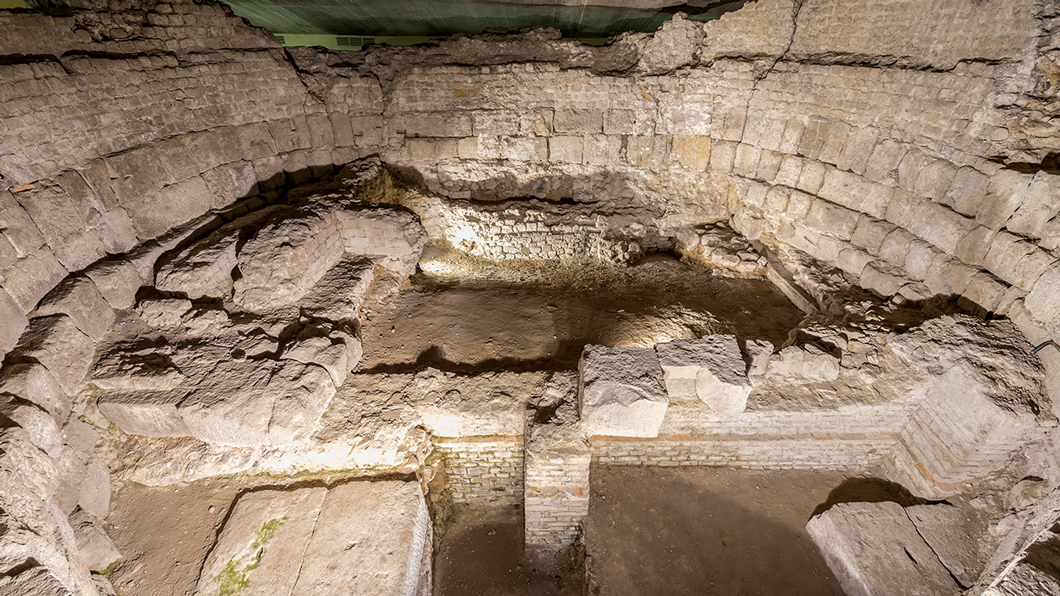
[(910, 156)]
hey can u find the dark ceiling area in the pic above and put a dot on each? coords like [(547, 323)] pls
[(448, 17)]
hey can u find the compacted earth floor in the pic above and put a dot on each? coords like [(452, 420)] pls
[(706, 531)]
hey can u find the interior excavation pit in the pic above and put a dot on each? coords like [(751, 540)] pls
[(763, 303)]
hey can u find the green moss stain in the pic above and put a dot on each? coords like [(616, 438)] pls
[(235, 576)]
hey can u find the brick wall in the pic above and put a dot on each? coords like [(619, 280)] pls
[(484, 471)]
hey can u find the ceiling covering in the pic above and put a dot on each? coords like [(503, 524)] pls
[(576, 18)]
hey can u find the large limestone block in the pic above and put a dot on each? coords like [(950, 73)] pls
[(34, 383), (393, 239), (711, 369), (801, 364), (147, 413), (66, 233), (12, 323), (60, 346), (79, 298), (286, 258), (96, 548), (94, 493), (117, 281), (369, 540), (261, 548), (203, 270), (622, 392), (332, 353), (38, 581), (874, 550), (38, 424), (338, 295), (33, 276), (250, 403), (1044, 299), (955, 534)]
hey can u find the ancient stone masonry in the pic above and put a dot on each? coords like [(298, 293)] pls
[(147, 153)]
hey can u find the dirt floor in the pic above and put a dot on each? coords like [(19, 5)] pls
[(706, 531), (543, 324), (481, 554)]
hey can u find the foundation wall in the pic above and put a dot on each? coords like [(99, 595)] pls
[(484, 471)]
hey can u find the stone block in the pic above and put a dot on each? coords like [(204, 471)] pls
[(691, 151), (495, 123), (39, 425), (94, 493), (369, 539), (338, 295), (231, 181), (934, 180), (966, 193), (722, 154), (79, 298), (853, 261), (12, 323), (117, 282), (985, 291), (17, 226), (439, 125), (909, 169), (525, 149), (178, 162), (32, 277), (972, 248), (1003, 195), (96, 548), (870, 233), (255, 141), (948, 277), (203, 270), (859, 146), (1043, 301), (875, 550), (745, 163), (647, 151), (951, 533), (262, 544), (150, 414), (621, 392), (290, 134), (578, 120), (211, 148), (536, 122), (789, 172), (602, 150), (135, 173), (565, 149), (800, 365), (35, 384), (156, 213), (391, 238), (57, 343), (833, 220), (811, 177), (64, 230), (251, 403), (1038, 205), (711, 369), (881, 278), (336, 354)]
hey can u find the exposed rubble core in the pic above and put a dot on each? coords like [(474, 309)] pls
[(199, 228)]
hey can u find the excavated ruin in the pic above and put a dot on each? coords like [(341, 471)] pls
[(764, 304)]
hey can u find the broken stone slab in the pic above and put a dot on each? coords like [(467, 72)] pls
[(621, 392), (338, 295), (146, 413), (955, 534), (203, 270), (60, 346), (96, 548), (369, 539), (874, 550), (34, 383), (249, 403), (262, 546), (711, 369), (79, 298), (1025, 580), (801, 364)]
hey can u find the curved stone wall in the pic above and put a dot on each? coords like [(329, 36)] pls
[(917, 157)]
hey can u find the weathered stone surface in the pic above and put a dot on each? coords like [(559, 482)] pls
[(65, 232), (954, 533), (12, 323), (32, 277), (801, 364), (369, 539), (338, 295), (37, 422), (1043, 301), (151, 414), (389, 237), (262, 546), (163, 313), (117, 281), (203, 270), (96, 548), (94, 496), (257, 403), (621, 392), (711, 368), (79, 298), (874, 549), (38, 581), (56, 343), (332, 353), (136, 372), (34, 383), (1026, 580)]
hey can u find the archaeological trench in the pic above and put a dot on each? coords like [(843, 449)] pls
[(766, 303)]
